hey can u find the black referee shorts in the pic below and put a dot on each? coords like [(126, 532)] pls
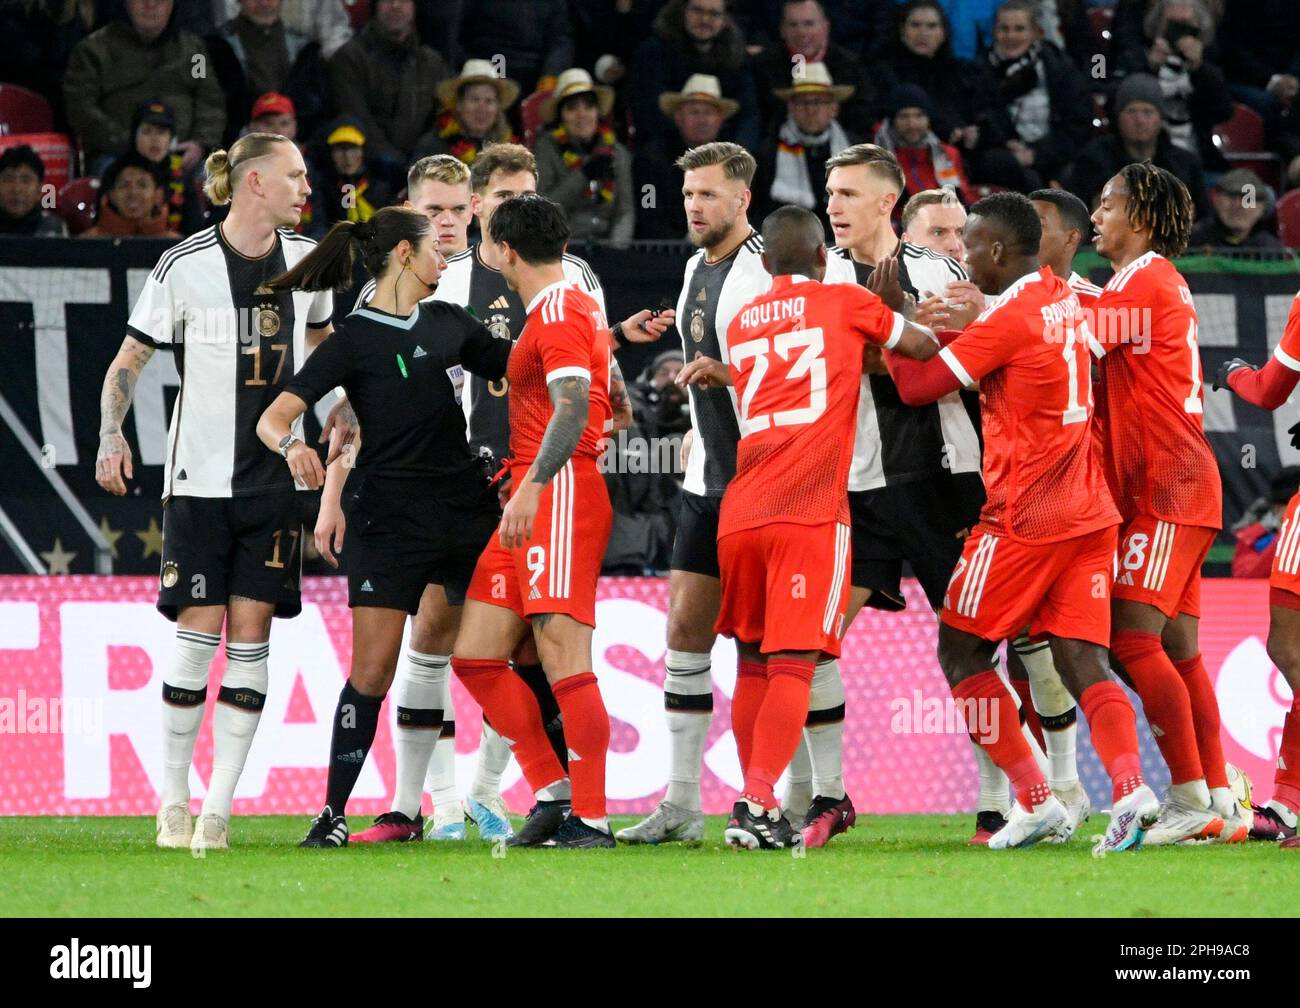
[(915, 522), (216, 547), (394, 548), (695, 547)]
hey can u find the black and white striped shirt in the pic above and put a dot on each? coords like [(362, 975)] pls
[(235, 349)]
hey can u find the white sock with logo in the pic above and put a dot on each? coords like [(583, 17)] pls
[(688, 707), (185, 691), (239, 708), (419, 723), (824, 732), (1056, 709), (440, 781)]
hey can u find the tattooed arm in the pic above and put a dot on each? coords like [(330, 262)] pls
[(113, 463), (619, 401), (570, 396)]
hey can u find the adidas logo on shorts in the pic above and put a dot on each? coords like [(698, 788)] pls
[(365, 585), (419, 352)]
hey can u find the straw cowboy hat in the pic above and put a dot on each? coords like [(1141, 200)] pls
[(814, 79), (478, 71), (572, 82), (698, 87)]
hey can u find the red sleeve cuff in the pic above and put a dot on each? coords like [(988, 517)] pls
[(1268, 387)]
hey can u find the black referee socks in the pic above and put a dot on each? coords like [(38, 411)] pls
[(355, 721)]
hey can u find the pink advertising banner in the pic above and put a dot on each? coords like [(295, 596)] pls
[(82, 661)]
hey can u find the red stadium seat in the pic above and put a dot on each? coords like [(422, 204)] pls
[(1243, 133), (78, 203), (1288, 219), (23, 111), (530, 115), (55, 150), (358, 12), (1099, 19)]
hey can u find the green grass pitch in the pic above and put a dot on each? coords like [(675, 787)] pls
[(887, 866)]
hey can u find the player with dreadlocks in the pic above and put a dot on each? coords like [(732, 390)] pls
[(1165, 481)]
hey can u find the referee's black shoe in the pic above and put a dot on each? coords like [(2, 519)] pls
[(543, 822), (327, 830), (577, 834)]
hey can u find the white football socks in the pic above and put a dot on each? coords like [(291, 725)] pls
[(239, 708), (1193, 793), (493, 756), (1056, 709), (419, 723), (440, 781), (185, 691), (688, 705), (824, 731)]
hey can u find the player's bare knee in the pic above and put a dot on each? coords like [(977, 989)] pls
[(961, 655), (1284, 652)]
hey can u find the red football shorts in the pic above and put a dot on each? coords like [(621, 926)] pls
[(1061, 588), (1159, 563), (557, 569), (785, 587), (1285, 575)]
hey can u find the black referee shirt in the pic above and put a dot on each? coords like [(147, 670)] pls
[(404, 378)]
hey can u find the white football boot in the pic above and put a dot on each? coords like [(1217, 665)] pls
[(668, 823), (1078, 810), (1131, 817), (1024, 829), (174, 826), (1182, 823), (211, 832)]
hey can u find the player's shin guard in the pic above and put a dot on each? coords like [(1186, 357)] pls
[(185, 692), (1205, 720), (1113, 725), (1286, 783), (1056, 709), (586, 725), (994, 723), (746, 701), (777, 727), (1165, 702), (419, 723), (688, 708), (513, 710), (239, 708), (355, 720), (535, 677), (824, 730)]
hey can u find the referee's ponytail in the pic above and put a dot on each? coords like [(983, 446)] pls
[(329, 266), (223, 168)]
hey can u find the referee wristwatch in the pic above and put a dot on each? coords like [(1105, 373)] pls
[(287, 442)]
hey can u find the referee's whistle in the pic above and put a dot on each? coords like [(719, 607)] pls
[(401, 364)]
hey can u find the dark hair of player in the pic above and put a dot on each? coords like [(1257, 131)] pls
[(506, 157), (791, 237), (1073, 211), (329, 266), (879, 162), (1159, 202), (1016, 215), (534, 226), (737, 163)]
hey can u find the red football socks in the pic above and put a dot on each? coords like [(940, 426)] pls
[(751, 687), (512, 709), (1164, 701), (1113, 725), (778, 727), (1205, 718), (586, 730), (1003, 742), (1286, 784)]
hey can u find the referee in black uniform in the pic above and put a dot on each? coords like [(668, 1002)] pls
[(421, 505)]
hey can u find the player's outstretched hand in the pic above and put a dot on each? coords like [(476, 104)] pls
[(113, 464), (330, 527), (519, 514), (305, 465), (1225, 369), (343, 423), (705, 372), (933, 313), (883, 283), (965, 302), (646, 326)]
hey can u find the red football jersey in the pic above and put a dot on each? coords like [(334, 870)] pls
[(1288, 351), (563, 336), (1085, 290), (1029, 353), (796, 364), (1158, 460)]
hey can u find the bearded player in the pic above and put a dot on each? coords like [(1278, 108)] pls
[(783, 532), (1165, 481), (1042, 553)]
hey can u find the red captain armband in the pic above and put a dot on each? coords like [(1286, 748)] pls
[(1268, 387), (921, 382)]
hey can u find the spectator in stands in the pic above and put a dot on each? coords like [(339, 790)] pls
[(1263, 67), (1042, 115), (153, 129), (474, 113), (582, 166), (351, 187), (1257, 531), (960, 91), (1240, 205), (972, 25), (387, 80), (141, 57), (1138, 134), (927, 162), (325, 22), (132, 201), (695, 37), (792, 164), (697, 113), (805, 39), (274, 113), (659, 404), (36, 40), (256, 53), (534, 36), (22, 177)]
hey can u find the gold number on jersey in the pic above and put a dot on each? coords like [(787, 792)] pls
[(256, 353), (275, 560), (810, 363)]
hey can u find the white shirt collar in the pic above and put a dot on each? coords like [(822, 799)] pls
[(543, 293)]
